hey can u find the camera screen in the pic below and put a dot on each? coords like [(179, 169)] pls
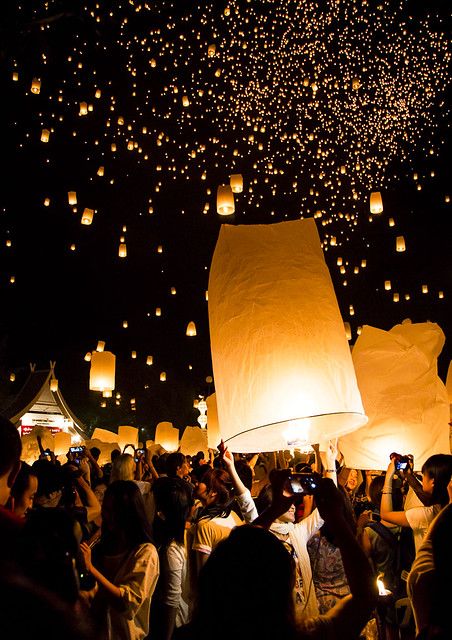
[(401, 465), (76, 449)]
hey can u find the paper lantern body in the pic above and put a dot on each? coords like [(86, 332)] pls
[(282, 365), (102, 371), (191, 329), (127, 435), (376, 203), (87, 216), (62, 442), (225, 200), (404, 398), (193, 439), (236, 182), (213, 427), (400, 244), (105, 435), (167, 436)]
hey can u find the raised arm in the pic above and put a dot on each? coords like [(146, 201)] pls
[(242, 494), (386, 511)]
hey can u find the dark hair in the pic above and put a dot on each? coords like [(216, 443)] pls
[(228, 577), (439, 467), (22, 480), (245, 473), (10, 445), (264, 499), (126, 509), (375, 492), (50, 477), (219, 481), (95, 452), (114, 454), (198, 472), (173, 462), (159, 462), (174, 499)]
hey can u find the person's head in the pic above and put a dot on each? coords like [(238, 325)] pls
[(123, 468), (10, 451), (177, 465), (95, 452), (375, 493), (436, 474), (229, 577), (215, 487), (124, 514), (173, 503), (24, 490), (114, 454), (264, 500), (245, 473), (50, 483), (197, 473)]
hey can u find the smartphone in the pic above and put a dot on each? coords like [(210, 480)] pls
[(304, 482), (401, 464), (47, 452), (76, 449), (139, 452)]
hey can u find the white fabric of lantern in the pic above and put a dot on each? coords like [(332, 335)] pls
[(167, 436), (102, 371), (127, 435), (105, 435), (283, 370), (404, 398), (213, 428), (193, 439)]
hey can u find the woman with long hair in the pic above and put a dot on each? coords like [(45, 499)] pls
[(125, 564)]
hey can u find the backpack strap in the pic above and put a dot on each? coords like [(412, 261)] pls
[(383, 532)]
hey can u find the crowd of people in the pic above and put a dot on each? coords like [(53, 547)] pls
[(161, 546)]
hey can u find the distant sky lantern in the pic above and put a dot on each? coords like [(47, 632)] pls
[(102, 371), (87, 357), (72, 197), (395, 297), (83, 109), (134, 354), (160, 249), (122, 252), (400, 244), (211, 50), (72, 247), (149, 360), (281, 361), (153, 62), (173, 291), (163, 376), (236, 182), (167, 436), (87, 216), (424, 288), (54, 385), (387, 285), (185, 101), (391, 222), (158, 311), (46, 202), (100, 345), (339, 262), (107, 393), (125, 324), (15, 76), (343, 169), (191, 329), (363, 264), (36, 86), (113, 146), (225, 200), (355, 84), (376, 203), (45, 134), (101, 171), (12, 377), (348, 330), (98, 93), (441, 294)]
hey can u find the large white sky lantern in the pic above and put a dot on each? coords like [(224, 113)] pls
[(193, 439), (283, 370), (102, 371), (213, 427), (405, 400)]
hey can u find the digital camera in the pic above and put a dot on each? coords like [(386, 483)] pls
[(400, 462), (306, 483)]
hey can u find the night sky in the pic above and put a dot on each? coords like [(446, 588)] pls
[(315, 104)]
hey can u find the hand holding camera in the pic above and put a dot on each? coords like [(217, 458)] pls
[(402, 463)]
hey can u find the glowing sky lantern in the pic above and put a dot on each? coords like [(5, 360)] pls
[(149, 360), (236, 182), (53, 385), (102, 371), (83, 109), (387, 285), (163, 376), (45, 134), (225, 200), (87, 216), (375, 202), (191, 329), (400, 244), (100, 345), (211, 50), (167, 436), (122, 251), (272, 338), (72, 197), (36, 86), (193, 439), (404, 398)]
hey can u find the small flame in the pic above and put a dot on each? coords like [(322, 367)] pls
[(382, 591)]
